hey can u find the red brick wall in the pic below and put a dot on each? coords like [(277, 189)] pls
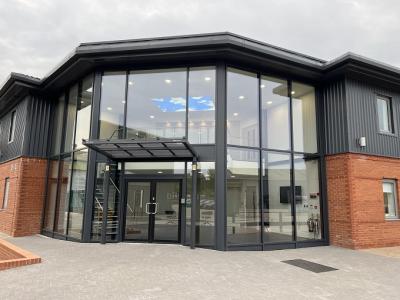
[(355, 201), (27, 191)]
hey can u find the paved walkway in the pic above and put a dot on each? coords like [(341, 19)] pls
[(387, 251), (141, 271)]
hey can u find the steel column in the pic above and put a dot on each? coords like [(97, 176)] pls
[(106, 187), (194, 205)]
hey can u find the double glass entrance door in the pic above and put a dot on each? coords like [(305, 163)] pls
[(153, 210)]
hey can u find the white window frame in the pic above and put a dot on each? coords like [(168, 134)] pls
[(6, 193), (389, 112), (394, 184), (11, 133)]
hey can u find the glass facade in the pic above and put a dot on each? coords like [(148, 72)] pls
[(278, 202), (67, 173), (242, 126), (156, 104), (112, 105), (308, 200), (201, 115), (304, 118), (277, 197), (243, 196), (275, 113), (272, 179), (205, 216)]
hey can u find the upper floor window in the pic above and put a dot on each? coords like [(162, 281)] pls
[(385, 119), (6, 193), (112, 105), (242, 108), (12, 127), (390, 199)]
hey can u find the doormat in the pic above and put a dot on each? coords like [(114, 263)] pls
[(309, 265)]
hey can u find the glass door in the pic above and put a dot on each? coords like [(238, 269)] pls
[(166, 219), (137, 210), (153, 210)]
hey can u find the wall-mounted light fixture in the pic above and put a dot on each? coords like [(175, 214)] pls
[(362, 141)]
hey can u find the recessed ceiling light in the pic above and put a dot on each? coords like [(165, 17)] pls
[(241, 97), (151, 117), (269, 102), (130, 82), (293, 92), (168, 81), (123, 101), (233, 176), (82, 101), (235, 114), (207, 78), (109, 108), (89, 90), (159, 172), (262, 86)]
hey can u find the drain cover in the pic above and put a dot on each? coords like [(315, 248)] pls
[(309, 265)]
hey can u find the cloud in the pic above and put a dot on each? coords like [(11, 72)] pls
[(36, 35)]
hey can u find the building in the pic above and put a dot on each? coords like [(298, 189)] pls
[(279, 149)]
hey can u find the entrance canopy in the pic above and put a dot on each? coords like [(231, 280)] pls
[(148, 150), (143, 150)]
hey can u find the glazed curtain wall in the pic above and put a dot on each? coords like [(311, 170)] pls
[(66, 189), (167, 103), (272, 161)]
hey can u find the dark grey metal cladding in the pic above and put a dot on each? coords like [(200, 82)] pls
[(336, 119), (38, 129), (14, 149), (363, 119)]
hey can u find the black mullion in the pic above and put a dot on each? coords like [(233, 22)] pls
[(125, 130), (78, 96), (57, 204), (260, 169), (187, 104), (70, 193), (292, 175), (62, 141)]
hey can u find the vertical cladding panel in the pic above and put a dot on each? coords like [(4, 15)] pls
[(335, 122), (39, 111), (10, 150), (363, 119)]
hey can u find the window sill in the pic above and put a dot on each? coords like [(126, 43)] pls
[(387, 133), (392, 219)]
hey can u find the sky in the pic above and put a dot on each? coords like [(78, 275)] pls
[(35, 35)]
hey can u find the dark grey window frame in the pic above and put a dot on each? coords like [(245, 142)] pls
[(11, 133), (391, 125), (61, 154), (319, 155), (220, 148), (122, 133)]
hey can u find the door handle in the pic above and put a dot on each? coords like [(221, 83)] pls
[(147, 208)]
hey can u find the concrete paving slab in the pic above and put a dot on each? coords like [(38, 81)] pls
[(386, 251), (155, 271)]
